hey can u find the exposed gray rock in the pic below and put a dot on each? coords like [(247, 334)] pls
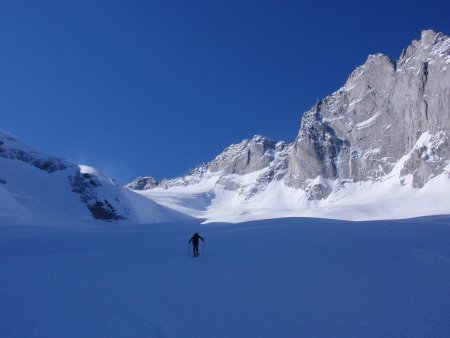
[(245, 157), (428, 159), (142, 183), (12, 149), (358, 133), (193, 177), (85, 185), (361, 131), (317, 191), (103, 210), (251, 155)]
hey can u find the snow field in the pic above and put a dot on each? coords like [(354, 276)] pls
[(356, 201), (273, 278)]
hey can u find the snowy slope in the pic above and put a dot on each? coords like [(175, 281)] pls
[(377, 148), (391, 196), (388, 199), (281, 278), (36, 188)]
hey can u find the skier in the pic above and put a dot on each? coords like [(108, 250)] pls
[(194, 239)]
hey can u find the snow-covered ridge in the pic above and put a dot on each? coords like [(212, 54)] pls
[(391, 196), (381, 138), (12, 148), (258, 154), (385, 131), (36, 188)]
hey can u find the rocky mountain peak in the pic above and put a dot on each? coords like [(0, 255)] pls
[(389, 114), (361, 131), (142, 183), (432, 47), (245, 157)]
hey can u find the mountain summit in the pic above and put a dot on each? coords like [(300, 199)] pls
[(384, 111), (387, 126), (377, 148)]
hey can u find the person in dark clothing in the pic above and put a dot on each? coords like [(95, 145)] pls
[(194, 239)]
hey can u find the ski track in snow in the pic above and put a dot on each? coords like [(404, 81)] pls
[(294, 277)]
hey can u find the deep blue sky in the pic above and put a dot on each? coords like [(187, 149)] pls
[(157, 87)]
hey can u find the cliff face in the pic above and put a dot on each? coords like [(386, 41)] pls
[(365, 128), (390, 116)]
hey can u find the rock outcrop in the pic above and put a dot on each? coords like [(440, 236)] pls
[(388, 113), (361, 131)]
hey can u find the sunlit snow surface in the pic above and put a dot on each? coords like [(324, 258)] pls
[(68, 275), (387, 198), (274, 278)]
